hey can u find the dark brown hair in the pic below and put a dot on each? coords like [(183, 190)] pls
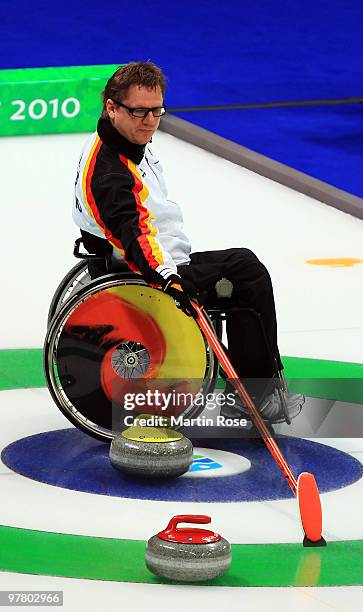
[(145, 74)]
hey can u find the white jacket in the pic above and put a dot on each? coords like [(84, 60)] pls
[(120, 195)]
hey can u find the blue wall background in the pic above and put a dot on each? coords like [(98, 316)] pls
[(222, 53)]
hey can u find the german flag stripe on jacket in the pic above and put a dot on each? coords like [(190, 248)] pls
[(120, 195)]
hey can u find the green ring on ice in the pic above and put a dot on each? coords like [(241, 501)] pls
[(271, 565)]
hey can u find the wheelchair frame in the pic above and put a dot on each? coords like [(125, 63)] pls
[(77, 285), (71, 292)]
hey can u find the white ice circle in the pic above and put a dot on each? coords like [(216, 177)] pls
[(230, 464)]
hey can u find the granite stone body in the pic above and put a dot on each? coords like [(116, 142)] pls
[(188, 562), (151, 459)]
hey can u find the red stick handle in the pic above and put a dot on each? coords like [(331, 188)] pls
[(271, 444)]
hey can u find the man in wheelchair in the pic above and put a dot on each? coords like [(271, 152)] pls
[(122, 209)]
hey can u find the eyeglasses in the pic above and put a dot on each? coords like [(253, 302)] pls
[(157, 111)]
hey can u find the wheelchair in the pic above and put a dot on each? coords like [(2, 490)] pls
[(114, 335)]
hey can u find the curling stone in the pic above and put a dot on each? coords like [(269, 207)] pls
[(188, 554), (151, 452)]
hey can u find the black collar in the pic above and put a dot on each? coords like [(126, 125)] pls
[(111, 137)]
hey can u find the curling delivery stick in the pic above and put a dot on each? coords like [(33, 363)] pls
[(305, 487)]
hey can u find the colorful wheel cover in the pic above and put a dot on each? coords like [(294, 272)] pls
[(129, 341)]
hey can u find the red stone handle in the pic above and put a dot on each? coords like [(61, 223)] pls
[(189, 535), (172, 526)]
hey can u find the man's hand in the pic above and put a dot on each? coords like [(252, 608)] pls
[(174, 287)]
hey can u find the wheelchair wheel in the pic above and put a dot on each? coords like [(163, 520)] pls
[(117, 337), (76, 278)]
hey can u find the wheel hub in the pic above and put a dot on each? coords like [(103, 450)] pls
[(130, 360)]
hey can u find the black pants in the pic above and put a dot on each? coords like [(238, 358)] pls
[(252, 289)]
